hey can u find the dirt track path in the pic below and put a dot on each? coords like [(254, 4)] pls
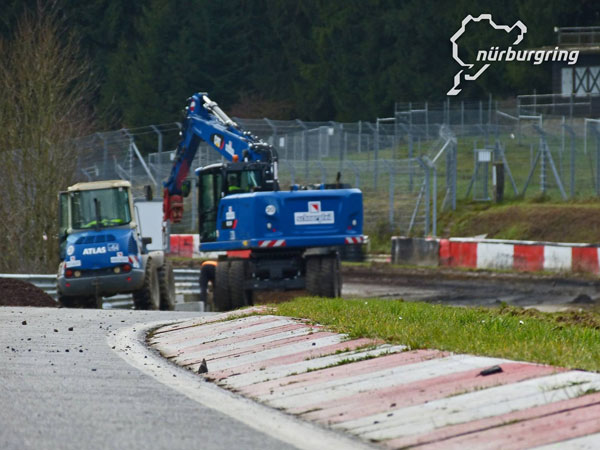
[(471, 288)]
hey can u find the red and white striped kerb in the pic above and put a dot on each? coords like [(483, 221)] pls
[(354, 240), (272, 243)]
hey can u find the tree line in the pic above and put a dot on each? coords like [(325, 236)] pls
[(340, 60)]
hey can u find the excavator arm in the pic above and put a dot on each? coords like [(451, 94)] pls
[(205, 121)]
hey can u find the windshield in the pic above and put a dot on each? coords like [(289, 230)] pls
[(244, 181), (102, 207)]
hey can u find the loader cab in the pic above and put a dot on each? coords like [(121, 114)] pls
[(220, 180), (93, 207)]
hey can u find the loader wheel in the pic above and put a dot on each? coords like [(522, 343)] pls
[(148, 297), (313, 270), (222, 298), (166, 282), (330, 280), (237, 276), (97, 302), (207, 286), (77, 302)]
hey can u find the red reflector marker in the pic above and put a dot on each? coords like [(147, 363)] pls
[(128, 278)]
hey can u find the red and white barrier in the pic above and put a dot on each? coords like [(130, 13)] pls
[(528, 256), (185, 245)]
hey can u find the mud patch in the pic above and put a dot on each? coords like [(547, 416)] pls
[(588, 319), (20, 293)]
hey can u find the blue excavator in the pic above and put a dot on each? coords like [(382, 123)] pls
[(271, 239)]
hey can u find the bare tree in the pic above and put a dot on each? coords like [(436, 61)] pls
[(44, 88)]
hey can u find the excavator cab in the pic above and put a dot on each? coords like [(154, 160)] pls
[(220, 180)]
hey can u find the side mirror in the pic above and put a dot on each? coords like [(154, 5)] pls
[(148, 192), (146, 241), (186, 187)]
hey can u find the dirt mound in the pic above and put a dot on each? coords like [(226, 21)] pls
[(20, 293)]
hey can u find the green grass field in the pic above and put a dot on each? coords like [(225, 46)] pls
[(563, 339)]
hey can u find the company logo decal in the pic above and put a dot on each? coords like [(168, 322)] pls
[(471, 71), (218, 141), (94, 251), (314, 215)]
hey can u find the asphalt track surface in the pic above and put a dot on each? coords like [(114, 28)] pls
[(63, 387)]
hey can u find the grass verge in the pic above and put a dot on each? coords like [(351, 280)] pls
[(563, 339), (536, 219)]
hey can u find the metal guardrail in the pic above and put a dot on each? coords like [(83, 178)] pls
[(186, 282)]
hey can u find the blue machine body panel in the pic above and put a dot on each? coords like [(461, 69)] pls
[(94, 254), (101, 249), (310, 218)]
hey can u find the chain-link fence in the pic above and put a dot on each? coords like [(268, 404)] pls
[(409, 166)]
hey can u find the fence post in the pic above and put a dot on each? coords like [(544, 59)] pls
[(160, 140), (571, 159), (359, 135), (356, 174), (304, 147), (130, 151), (292, 173), (426, 120), (395, 143), (425, 168), (274, 130), (331, 131), (391, 171), (572, 165), (542, 167), (571, 106), (376, 158), (104, 155), (344, 153), (323, 172), (451, 174), (410, 164), (434, 213)]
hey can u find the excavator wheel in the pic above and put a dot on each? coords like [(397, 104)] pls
[(166, 283), (330, 282), (148, 296), (237, 275), (222, 297), (313, 270)]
